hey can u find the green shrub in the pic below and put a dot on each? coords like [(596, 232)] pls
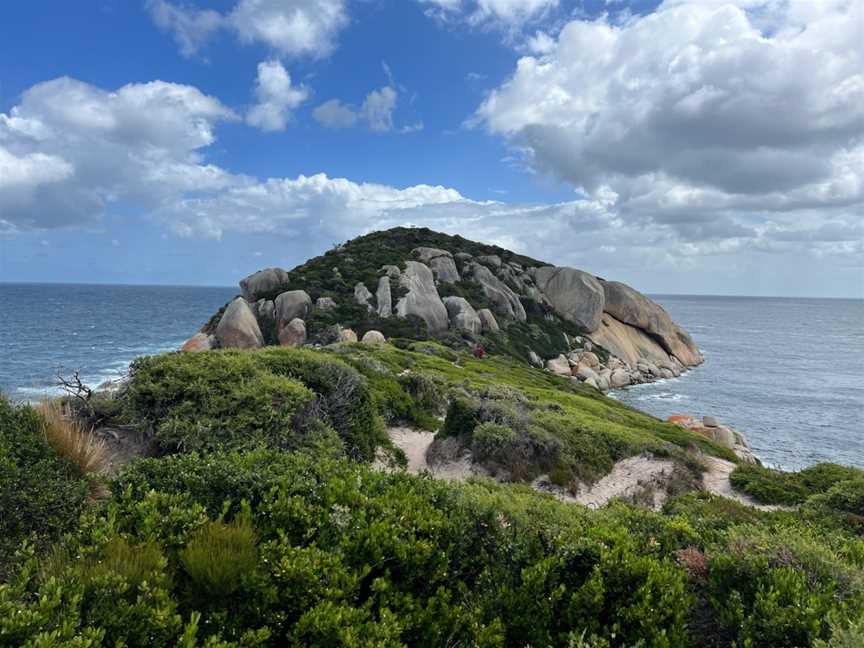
[(204, 401), (135, 563), (842, 497), (460, 420), (492, 442), (220, 555), (41, 495), (772, 486)]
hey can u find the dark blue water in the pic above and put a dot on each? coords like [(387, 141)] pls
[(95, 329), (789, 373)]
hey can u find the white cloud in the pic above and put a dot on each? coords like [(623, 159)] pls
[(290, 27), (376, 112), (276, 96), (335, 114), (697, 118), (505, 13), (191, 27), (378, 107)]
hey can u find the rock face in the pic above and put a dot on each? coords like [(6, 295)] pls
[(198, 342), (293, 334), (575, 295), (373, 338), (719, 434), (325, 303), (630, 344), (422, 299), (632, 307), (238, 328), (383, 297), (290, 305), (488, 323), (362, 296), (462, 314), (264, 283), (440, 261), (559, 366), (504, 300)]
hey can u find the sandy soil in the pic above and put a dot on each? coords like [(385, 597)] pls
[(627, 478)]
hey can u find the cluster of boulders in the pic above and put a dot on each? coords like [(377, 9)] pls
[(584, 365), (240, 326), (642, 341), (722, 435)]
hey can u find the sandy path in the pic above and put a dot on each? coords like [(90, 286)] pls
[(415, 444), (716, 480)]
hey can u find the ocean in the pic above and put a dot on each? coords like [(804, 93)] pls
[(788, 373)]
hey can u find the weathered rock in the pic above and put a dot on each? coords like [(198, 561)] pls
[(559, 366), (362, 295), (632, 307), (198, 342), (463, 256), (603, 383), (383, 297), (710, 421), (391, 271), (293, 334), (487, 321), (238, 328), (325, 303), (422, 299), (290, 305), (440, 261), (584, 371), (492, 261), (373, 338), (462, 314), (614, 363), (630, 344), (592, 382), (535, 359), (619, 378), (504, 300), (264, 283), (590, 359), (666, 373), (347, 335), (575, 295)]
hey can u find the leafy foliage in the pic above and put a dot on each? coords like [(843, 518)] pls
[(778, 487)]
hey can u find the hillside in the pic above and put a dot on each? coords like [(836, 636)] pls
[(296, 487), (417, 284)]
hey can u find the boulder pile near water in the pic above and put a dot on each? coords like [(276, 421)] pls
[(722, 435)]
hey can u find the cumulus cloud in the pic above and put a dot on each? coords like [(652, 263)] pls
[(699, 112), (68, 148), (291, 28), (506, 13), (276, 96), (376, 112)]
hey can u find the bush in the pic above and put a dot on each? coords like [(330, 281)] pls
[(219, 556), (204, 401), (41, 494), (460, 420), (492, 442), (771, 486)]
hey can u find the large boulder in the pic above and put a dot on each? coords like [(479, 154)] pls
[(325, 303), (440, 261), (373, 338), (462, 314), (347, 335), (575, 295), (198, 342), (264, 283), (488, 323), (362, 295), (290, 305), (422, 299), (632, 345), (632, 307), (504, 301), (238, 328), (619, 378), (293, 334), (384, 298), (559, 366)]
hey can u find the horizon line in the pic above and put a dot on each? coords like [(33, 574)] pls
[(169, 285)]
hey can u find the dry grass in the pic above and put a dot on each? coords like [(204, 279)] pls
[(72, 440)]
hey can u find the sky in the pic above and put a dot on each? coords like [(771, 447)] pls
[(710, 147)]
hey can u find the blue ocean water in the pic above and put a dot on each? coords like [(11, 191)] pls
[(789, 373)]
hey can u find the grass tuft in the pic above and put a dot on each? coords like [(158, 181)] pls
[(71, 439)]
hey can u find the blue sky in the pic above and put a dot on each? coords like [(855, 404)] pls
[(678, 146)]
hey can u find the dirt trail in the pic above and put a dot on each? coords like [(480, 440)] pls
[(628, 477)]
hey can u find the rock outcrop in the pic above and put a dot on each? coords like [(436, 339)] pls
[(488, 323), (384, 298), (238, 328), (422, 299), (504, 301), (373, 338), (199, 342), (264, 283), (575, 295), (440, 262), (722, 435), (462, 315), (293, 334), (362, 296)]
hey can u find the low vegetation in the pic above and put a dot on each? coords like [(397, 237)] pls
[(263, 523), (71, 438), (770, 486)]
